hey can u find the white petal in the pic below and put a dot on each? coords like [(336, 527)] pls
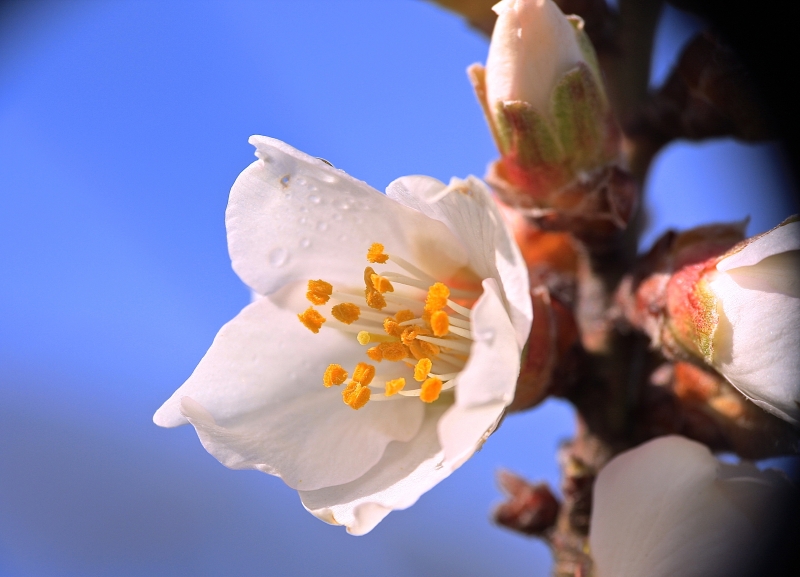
[(783, 238), (669, 508), (491, 372), (292, 217), (467, 208), (757, 341), (406, 471), (257, 401)]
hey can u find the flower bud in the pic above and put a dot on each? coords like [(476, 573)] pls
[(741, 313), (543, 97)]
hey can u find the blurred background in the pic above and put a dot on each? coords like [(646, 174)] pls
[(122, 127)]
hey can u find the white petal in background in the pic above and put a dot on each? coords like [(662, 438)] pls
[(669, 508), (122, 127)]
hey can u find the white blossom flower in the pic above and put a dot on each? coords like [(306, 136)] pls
[(669, 507), (429, 332), (756, 344)]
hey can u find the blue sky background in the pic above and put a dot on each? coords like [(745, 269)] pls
[(122, 126)]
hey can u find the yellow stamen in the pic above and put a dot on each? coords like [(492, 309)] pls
[(394, 351), (412, 332), (440, 323), (355, 395), (346, 313), (375, 354), (374, 299), (394, 386), (381, 284), (319, 291), (437, 297), (392, 328), (334, 375), (364, 373), (421, 349), (365, 337), (311, 319), (375, 253), (430, 390), (403, 316), (422, 369)]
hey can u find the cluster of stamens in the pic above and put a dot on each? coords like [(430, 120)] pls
[(418, 325)]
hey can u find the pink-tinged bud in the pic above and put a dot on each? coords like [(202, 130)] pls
[(734, 305), (544, 100), (755, 343)]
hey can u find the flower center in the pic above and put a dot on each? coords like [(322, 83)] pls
[(420, 327)]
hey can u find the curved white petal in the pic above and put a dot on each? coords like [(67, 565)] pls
[(257, 401), (466, 207), (757, 340), (293, 217), (668, 508), (406, 471), (782, 238), (491, 372)]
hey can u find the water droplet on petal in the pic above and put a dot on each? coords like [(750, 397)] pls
[(314, 199), (301, 180), (343, 203), (305, 243), (285, 180), (278, 257), (312, 187), (322, 226), (485, 336), (302, 220), (329, 178)]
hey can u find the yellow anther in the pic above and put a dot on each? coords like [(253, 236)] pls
[(394, 351), (311, 319), (381, 284), (365, 337), (421, 349), (412, 332), (440, 323), (319, 291), (355, 395), (395, 386), (403, 316), (392, 328), (430, 390), (346, 313), (437, 297), (422, 369), (375, 253), (364, 373), (368, 272), (374, 299), (375, 354), (334, 375)]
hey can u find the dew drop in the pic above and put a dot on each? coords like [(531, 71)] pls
[(344, 204), (314, 199), (329, 178), (302, 220), (278, 257), (285, 180), (312, 187), (301, 180), (485, 336), (305, 243), (322, 226)]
